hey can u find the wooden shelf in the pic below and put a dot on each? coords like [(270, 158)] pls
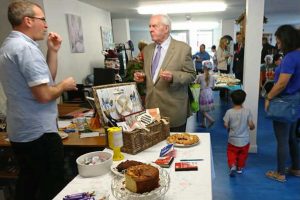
[(9, 174)]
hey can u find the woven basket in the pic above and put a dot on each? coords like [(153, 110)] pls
[(139, 140)]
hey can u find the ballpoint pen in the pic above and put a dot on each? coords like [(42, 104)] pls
[(200, 159)]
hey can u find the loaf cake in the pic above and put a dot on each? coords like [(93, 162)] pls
[(126, 164), (142, 178)]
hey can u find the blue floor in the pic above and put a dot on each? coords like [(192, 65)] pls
[(252, 184)]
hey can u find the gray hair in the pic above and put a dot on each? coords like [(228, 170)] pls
[(17, 10), (165, 19)]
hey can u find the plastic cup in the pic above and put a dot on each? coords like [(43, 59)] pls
[(139, 76)]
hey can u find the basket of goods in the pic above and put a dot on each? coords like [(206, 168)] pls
[(120, 105)]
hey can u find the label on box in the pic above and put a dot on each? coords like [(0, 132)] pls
[(166, 150), (186, 166), (164, 161), (118, 139)]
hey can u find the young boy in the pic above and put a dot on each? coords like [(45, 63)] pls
[(238, 121)]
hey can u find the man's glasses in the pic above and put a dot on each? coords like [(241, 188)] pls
[(40, 18)]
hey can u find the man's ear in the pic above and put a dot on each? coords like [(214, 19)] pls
[(27, 21)]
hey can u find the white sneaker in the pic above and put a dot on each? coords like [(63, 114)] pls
[(239, 170)]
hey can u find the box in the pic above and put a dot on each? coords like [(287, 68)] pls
[(114, 102)]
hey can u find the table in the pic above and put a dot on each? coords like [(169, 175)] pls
[(183, 185), (73, 140)]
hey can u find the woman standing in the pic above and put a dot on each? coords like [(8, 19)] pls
[(223, 55), (287, 82)]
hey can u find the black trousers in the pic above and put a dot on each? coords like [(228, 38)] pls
[(41, 167), (181, 128)]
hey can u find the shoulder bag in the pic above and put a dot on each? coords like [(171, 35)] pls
[(284, 108)]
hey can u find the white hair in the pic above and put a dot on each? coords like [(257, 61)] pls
[(165, 19)]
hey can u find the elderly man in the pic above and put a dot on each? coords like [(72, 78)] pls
[(168, 70), (28, 82)]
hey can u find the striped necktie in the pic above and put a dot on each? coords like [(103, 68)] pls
[(155, 61)]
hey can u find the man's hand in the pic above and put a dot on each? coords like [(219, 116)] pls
[(69, 84), (166, 75), (139, 76), (54, 41)]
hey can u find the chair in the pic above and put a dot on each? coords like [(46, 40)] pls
[(76, 96)]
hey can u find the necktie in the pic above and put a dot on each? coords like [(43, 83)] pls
[(155, 61)]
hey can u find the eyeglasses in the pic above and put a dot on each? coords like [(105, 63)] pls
[(40, 18)]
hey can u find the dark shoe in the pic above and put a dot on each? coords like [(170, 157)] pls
[(232, 171)]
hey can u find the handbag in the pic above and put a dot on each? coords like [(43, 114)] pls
[(284, 108)]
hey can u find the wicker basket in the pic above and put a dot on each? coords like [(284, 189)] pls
[(139, 140)]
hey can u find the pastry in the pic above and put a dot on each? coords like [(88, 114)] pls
[(183, 138)]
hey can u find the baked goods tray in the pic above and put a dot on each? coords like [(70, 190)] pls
[(121, 193)]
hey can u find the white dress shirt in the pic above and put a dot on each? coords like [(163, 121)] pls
[(164, 48)]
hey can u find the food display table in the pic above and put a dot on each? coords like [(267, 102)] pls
[(227, 81), (183, 184)]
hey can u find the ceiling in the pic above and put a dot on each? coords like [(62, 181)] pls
[(277, 11)]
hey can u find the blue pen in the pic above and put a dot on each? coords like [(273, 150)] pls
[(192, 159)]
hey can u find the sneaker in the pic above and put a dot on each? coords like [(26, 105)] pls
[(239, 170), (275, 176), (232, 171)]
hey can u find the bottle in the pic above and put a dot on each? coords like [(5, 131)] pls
[(115, 142)]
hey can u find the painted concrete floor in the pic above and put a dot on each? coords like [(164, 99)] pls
[(252, 184)]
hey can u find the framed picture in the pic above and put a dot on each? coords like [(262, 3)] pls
[(115, 101), (75, 33), (107, 37)]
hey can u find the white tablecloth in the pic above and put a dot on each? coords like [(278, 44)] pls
[(183, 184)]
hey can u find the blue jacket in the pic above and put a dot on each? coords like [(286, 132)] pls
[(203, 56)]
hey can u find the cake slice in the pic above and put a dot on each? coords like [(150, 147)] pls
[(142, 178)]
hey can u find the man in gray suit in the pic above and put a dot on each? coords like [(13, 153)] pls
[(168, 71)]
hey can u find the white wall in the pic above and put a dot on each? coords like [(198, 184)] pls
[(139, 35), (228, 27), (78, 65)]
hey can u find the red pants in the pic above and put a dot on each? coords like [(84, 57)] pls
[(237, 156)]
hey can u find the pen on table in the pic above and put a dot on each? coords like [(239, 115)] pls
[(200, 159)]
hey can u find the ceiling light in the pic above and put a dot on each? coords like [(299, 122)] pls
[(194, 25), (182, 8)]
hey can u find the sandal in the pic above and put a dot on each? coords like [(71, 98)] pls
[(293, 172), (275, 176)]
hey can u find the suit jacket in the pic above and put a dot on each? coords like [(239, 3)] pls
[(171, 98)]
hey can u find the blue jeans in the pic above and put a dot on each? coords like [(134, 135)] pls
[(41, 164), (287, 143)]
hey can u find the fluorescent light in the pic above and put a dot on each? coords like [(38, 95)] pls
[(182, 8), (194, 25)]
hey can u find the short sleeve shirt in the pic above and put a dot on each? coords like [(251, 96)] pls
[(237, 120), (23, 66), (290, 64)]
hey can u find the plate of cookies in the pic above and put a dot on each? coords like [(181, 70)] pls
[(183, 140)]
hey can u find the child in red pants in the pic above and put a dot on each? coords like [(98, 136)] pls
[(238, 121)]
